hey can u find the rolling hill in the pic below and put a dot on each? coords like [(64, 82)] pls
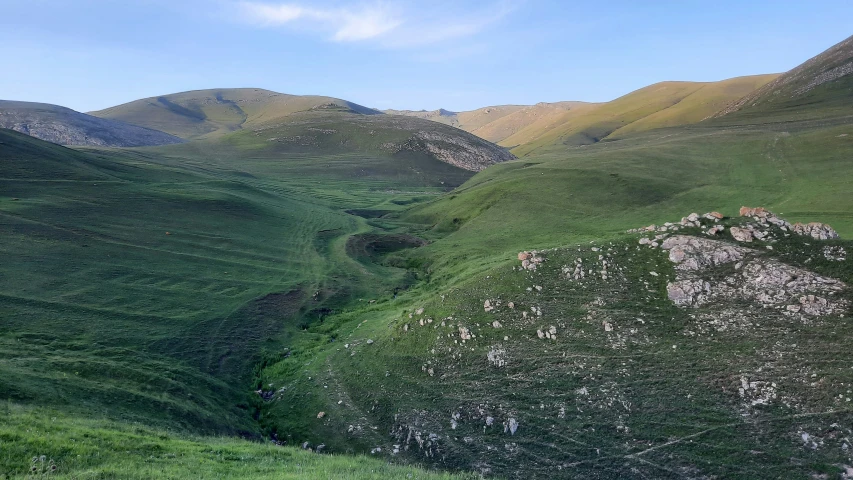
[(666, 104), (215, 112), (304, 272), (66, 127), (584, 366)]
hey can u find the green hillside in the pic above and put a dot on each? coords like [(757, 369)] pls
[(660, 393), (141, 286), (215, 112), (391, 292), (819, 88), (656, 106)]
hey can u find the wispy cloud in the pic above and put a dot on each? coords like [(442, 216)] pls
[(389, 25), (347, 25)]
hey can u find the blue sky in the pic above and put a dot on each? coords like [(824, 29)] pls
[(459, 55)]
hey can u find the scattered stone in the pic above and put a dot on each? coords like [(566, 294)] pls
[(530, 260), (511, 426), (741, 234), (497, 357), (835, 254)]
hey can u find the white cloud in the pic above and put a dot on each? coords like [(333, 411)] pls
[(346, 25), (388, 25)]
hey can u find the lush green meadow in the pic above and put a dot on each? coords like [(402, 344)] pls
[(310, 276), (147, 286)]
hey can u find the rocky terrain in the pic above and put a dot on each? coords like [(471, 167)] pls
[(621, 356), (66, 127)]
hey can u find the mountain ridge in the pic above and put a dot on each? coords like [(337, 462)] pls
[(65, 126)]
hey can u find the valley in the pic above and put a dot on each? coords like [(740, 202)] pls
[(303, 287)]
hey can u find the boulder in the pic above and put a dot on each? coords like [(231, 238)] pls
[(816, 230), (741, 234)]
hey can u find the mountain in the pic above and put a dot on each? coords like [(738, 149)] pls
[(441, 115), (665, 104), (306, 274), (656, 106), (820, 87), (215, 112), (66, 127)]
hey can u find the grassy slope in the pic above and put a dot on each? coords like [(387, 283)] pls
[(36, 440), (216, 112), (581, 193), (819, 88), (561, 196), (655, 106), (694, 108), (145, 285), (522, 126), (653, 399)]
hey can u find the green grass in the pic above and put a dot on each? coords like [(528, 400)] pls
[(145, 286), (217, 112), (571, 194), (652, 399), (34, 441), (157, 304)]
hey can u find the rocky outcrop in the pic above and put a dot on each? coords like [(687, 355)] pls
[(530, 260), (66, 127), (766, 282), (464, 150)]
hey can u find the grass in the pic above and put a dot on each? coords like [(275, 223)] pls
[(217, 112), (145, 286), (46, 443), (652, 399), (296, 280)]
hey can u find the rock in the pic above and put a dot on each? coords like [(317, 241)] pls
[(419, 311), (370, 342), (693, 253), (512, 425), (715, 230), (816, 230), (835, 254), (321, 414), (464, 333), (496, 324), (717, 215), (522, 256), (688, 293), (758, 212), (497, 357), (693, 217), (741, 234)]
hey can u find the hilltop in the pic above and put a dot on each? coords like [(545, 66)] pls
[(217, 111), (818, 88), (66, 127), (527, 128)]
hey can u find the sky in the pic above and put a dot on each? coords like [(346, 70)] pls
[(403, 54)]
